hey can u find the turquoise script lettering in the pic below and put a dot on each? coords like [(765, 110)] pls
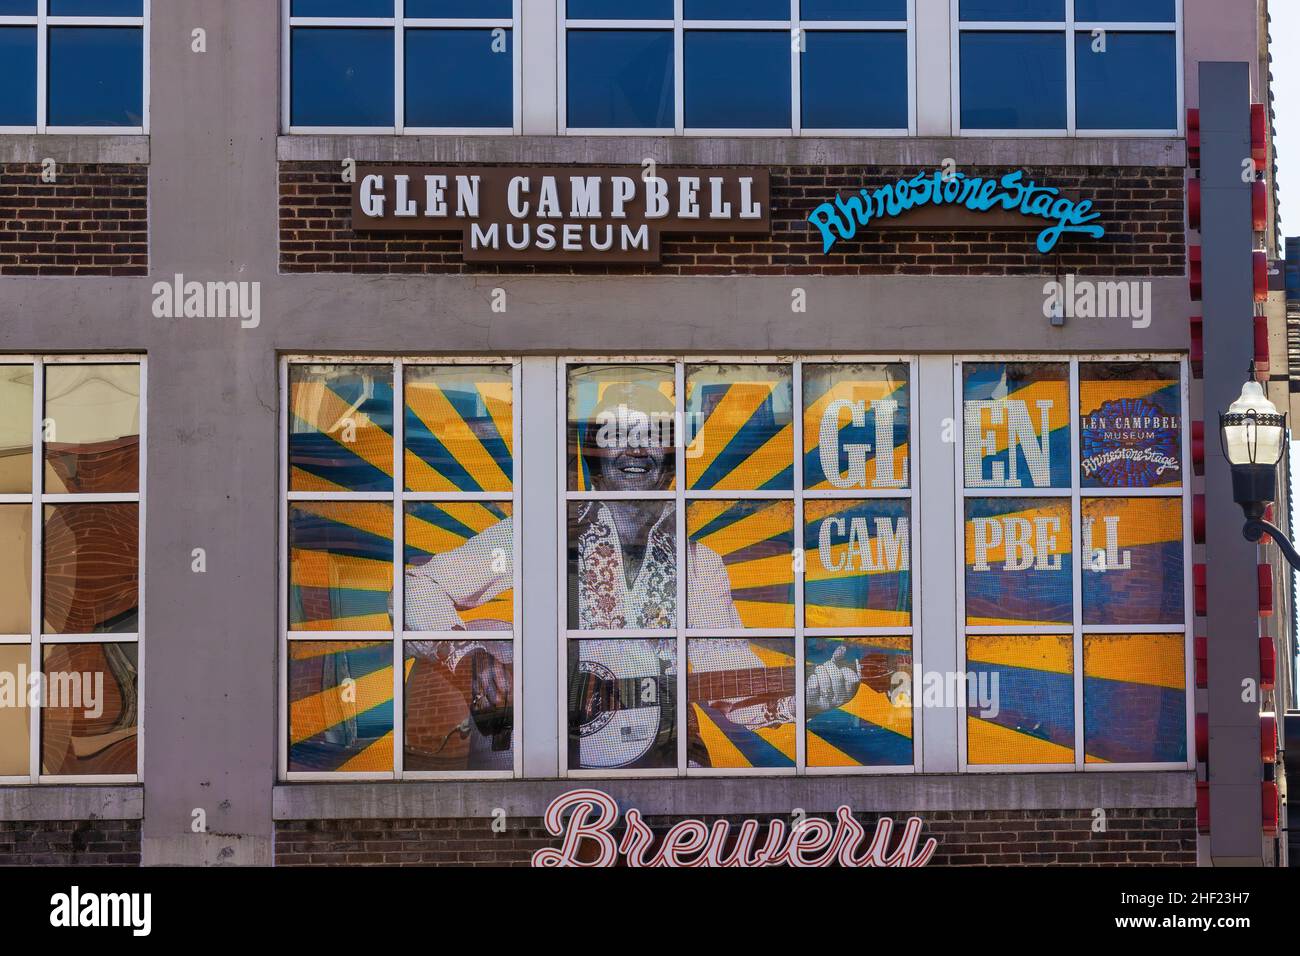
[(842, 218)]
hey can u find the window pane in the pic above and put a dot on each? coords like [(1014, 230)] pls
[(477, 65), (458, 706), (18, 76), (737, 80), (91, 575), (96, 76), (1130, 425), (854, 80), (620, 428), (340, 427), (92, 422), (447, 9), (853, 9), (620, 79), (341, 706), (622, 565), (92, 717), (858, 702), (622, 704), (1018, 561), (16, 390), (459, 566), (15, 719), (1132, 560), (1134, 698), (342, 8), (855, 426), (459, 427), (1016, 426), (740, 564), (1012, 80), (737, 9), (1124, 11), (15, 573), (1013, 10), (342, 77), (1024, 707), (1132, 84), (96, 8), (619, 9), (17, 8), (739, 427), (858, 563), (741, 707), (340, 566)]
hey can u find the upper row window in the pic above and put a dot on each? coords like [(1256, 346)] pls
[(73, 65)]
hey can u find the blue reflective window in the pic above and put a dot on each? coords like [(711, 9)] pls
[(619, 9), (446, 9), (1133, 85), (96, 8), (341, 8), (1012, 80), (18, 76), (737, 79), (17, 8), (1011, 10), (342, 76), (853, 10), (620, 79), (737, 10), (96, 76), (1124, 11), (854, 80), (459, 78)]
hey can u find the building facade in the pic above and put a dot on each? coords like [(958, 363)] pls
[(806, 394)]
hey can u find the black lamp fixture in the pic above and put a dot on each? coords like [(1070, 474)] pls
[(1253, 436)]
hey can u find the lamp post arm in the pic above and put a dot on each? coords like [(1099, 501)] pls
[(1256, 528)]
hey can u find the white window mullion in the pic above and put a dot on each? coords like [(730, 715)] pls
[(42, 65), (399, 66), (800, 698), (796, 71), (399, 561), (683, 648), (1070, 122), (679, 71), (38, 535)]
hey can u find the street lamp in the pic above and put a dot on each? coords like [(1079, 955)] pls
[(1253, 436)]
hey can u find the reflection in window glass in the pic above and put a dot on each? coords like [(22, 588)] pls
[(459, 427), (739, 428), (458, 707), (342, 76), (92, 428), (91, 576), (15, 718), (91, 718), (619, 79), (459, 566), (622, 704), (1131, 83), (1012, 81), (858, 564), (858, 702), (622, 565), (1130, 425), (15, 570), (340, 706), (1016, 424), (741, 703), (16, 397), (18, 76), (437, 61), (620, 428), (854, 80), (737, 79), (95, 76), (740, 564), (1134, 698), (340, 427), (855, 426), (1018, 561), (340, 566), (1023, 707), (1132, 560)]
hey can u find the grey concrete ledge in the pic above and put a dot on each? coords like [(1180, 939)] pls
[(713, 795), (744, 151), (71, 803), (36, 147)]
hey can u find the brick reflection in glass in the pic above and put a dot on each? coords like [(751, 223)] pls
[(459, 707), (91, 716), (92, 429), (91, 571)]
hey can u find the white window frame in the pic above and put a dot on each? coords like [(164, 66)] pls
[(679, 25), (42, 21), (1069, 27), (36, 500), (1074, 495), (397, 636), (683, 496), (399, 23)]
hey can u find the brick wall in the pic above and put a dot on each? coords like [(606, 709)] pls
[(1141, 207), (70, 843), (93, 220), (1133, 837)]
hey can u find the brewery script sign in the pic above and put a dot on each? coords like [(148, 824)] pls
[(559, 215)]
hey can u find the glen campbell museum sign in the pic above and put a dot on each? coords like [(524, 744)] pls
[(561, 215)]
